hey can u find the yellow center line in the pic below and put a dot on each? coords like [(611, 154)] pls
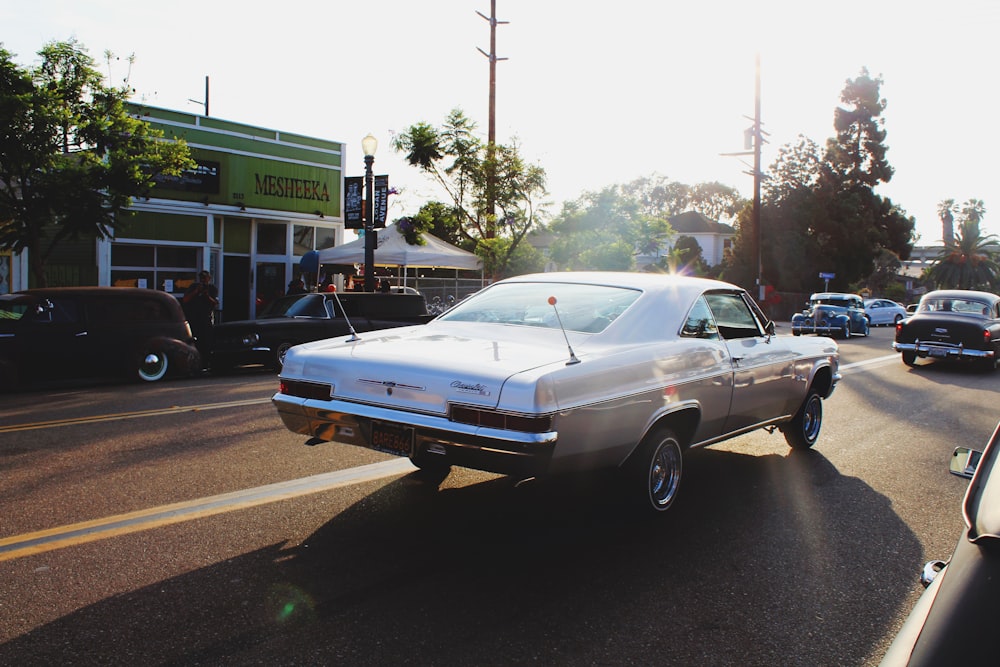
[(50, 539), (92, 419)]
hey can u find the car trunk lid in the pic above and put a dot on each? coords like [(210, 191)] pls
[(433, 368)]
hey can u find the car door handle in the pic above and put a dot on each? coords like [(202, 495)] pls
[(736, 360)]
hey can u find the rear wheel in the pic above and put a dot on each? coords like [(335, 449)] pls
[(654, 471), (279, 355), (803, 430), (910, 358), (152, 366)]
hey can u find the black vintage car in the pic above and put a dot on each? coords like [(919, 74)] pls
[(301, 318), (954, 620), (959, 325), (73, 332)]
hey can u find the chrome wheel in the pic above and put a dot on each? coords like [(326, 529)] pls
[(656, 470), (153, 366), (803, 430)]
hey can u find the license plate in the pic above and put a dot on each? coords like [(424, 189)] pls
[(392, 439), (937, 352)]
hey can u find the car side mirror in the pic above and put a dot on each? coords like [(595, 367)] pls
[(964, 462), (769, 328)]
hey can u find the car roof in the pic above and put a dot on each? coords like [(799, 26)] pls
[(686, 285), (834, 295), (961, 294)]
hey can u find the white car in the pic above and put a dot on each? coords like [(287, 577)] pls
[(566, 372), (884, 311)]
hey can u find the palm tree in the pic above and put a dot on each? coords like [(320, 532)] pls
[(967, 263), (946, 210)]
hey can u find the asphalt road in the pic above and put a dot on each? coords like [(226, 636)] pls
[(181, 524)]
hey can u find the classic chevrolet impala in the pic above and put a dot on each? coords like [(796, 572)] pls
[(559, 372)]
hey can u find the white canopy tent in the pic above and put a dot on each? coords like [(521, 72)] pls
[(393, 250)]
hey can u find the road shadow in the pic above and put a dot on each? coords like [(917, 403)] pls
[(763, 560)]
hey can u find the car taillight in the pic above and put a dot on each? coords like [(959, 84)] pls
[(987, 336), (501, 420), (299, 389)]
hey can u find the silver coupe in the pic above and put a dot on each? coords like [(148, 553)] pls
[(559, 372)]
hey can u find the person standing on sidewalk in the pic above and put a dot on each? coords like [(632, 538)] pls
[(199, 302)]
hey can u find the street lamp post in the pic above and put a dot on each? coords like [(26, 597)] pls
[(368, 145)]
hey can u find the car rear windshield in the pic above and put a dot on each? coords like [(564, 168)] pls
[(584, 308), (298, 305), (962, 306)]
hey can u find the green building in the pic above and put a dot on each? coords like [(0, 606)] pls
[(258, 200)]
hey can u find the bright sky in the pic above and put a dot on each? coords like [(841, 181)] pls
[(596, 93)]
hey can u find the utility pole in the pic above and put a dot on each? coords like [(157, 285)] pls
[(492, 135), (754, 139), (756, 175), (205, 103)]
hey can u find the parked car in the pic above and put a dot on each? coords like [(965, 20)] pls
[(565, 372), (960, 325), (883, 311), (832, 314), (72, 332), (954, 618), (300, 318)]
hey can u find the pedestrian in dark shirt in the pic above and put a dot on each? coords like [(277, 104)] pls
[(296, 287), (200, 301)]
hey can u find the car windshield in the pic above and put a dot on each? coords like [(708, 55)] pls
[(834, 301), (584, 308), (962, 306), (297, 305)]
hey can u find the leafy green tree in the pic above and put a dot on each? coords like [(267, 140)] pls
[(440, 220), (658, 197), (465, 167), (970, 261), (858, 152), (71, 156), (685, 257), (604, 231), (820, 212), (887, 267)]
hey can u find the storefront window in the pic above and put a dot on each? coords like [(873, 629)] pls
[(303, 236), (325, 238), (271, 238), (167, 268)]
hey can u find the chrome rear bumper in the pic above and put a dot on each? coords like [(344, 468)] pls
[(478, 447)]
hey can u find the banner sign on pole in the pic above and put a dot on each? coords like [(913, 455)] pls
[(354, 199), (381, 196)]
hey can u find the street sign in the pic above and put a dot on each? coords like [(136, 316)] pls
[(827, 276)]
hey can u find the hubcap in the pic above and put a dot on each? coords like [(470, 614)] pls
[(665, 474), (812, 419)]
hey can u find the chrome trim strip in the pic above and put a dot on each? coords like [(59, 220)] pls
[(322, 411)]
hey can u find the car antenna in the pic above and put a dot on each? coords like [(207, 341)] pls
[(354, 334), (572, 357)]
